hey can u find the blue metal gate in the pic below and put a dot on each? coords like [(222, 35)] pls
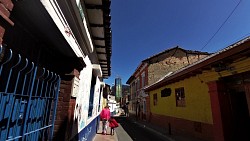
[(28, 99)]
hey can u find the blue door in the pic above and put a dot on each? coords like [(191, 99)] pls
[(28, 99)]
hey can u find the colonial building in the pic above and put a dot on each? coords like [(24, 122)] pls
[(54, 55), (209, 99), (125, 94), (154, 68)]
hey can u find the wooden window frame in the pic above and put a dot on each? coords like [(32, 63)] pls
[(180, 97)]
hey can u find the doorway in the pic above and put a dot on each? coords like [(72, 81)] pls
[(238, 112)]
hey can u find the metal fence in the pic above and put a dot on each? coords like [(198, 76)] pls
[(28, 99)]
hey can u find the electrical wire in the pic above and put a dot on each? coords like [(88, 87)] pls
[(221, 25)]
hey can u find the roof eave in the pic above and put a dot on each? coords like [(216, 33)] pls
[(238, 47)]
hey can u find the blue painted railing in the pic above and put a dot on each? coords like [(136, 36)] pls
[(28, 99)]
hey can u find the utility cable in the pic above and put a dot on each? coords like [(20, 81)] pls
[(221, 25)]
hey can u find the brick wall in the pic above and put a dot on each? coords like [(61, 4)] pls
[(6, 7), (65, 126), (170, 62)]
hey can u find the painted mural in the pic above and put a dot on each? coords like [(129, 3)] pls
[(82, 100), (96, 97)]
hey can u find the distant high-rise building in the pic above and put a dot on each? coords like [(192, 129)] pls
[(118, 88)]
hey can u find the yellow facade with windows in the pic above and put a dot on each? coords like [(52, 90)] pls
[(197, 102), (197, 99)]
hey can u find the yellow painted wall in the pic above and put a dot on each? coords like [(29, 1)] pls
[(197, 98), (238, 66)]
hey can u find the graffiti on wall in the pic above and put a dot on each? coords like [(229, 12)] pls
[(82, 100), (96, 96), (86, 134)]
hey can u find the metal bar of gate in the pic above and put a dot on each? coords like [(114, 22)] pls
[(14, 100), (28, 100), (8, 109), (30, 89), (56, 93)]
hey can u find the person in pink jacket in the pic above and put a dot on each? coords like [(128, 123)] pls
[(105, 116)]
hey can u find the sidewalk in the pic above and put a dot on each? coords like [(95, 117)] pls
[(119, 134), (100, 137), (163, 133)]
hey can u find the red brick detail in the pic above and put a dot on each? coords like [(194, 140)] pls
[(76, 73), (2, 30), (174, 126), (5, 14), (65, 111), (8, 4), (4, 10)]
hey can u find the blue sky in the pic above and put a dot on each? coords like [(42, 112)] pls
[(142, 28)]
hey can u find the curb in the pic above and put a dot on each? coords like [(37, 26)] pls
[(161, 135)]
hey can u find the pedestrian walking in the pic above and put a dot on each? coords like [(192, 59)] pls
[(126, 110), (112, 124), (105, 116)]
